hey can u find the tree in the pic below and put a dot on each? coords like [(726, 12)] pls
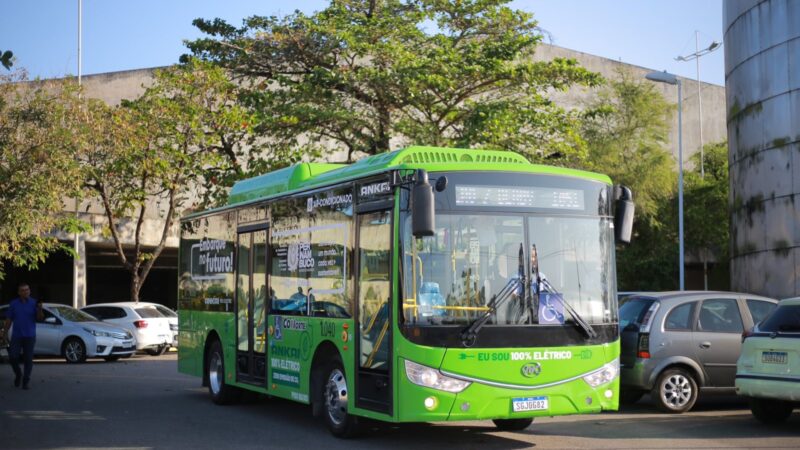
[(37, 170), (7, 59), (363, 76), (163, 152), (706, 204), (626, 130)]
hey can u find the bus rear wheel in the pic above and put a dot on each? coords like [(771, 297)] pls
[(334, 400), (512, 424), (221, 393)]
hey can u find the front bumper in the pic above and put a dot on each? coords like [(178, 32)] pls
[(482, 401), (105, 346)]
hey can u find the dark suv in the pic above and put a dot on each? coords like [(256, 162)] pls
[(675, 344)]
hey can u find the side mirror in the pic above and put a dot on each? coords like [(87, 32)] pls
[(422, 216), (50, 320), (623, 214)]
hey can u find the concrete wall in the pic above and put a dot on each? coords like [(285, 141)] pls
[(762, 75)]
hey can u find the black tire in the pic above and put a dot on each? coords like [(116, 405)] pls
[(770, 411), (111, 358), (512, 424), (675, 391), (630, 396), (334, 402), (221, 393), (158, 351), (74, 351)]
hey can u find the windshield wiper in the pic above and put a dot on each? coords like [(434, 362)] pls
[(470, 333), (542, 282)]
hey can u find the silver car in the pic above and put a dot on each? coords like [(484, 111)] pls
[(75, 335), (676, 344)]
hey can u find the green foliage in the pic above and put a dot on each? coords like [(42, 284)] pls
[(7, 59), (37, 170), (706, 213), (173, 148), (365, 76), (626, 130)]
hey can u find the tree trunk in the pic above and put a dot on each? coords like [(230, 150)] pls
[(136, 285)]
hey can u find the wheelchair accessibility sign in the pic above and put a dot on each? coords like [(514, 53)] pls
[(551, 309)]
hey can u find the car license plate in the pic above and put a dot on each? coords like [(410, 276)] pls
[(529, 404), (774, 357), (127, 344)]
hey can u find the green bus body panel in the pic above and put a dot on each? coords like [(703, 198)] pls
[(289, 355)]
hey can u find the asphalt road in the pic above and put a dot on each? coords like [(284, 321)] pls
[(145, 403)]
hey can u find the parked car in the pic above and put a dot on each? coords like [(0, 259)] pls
[(75, 335), (173, 320), (768, 370), (675, 344), (151, 328)]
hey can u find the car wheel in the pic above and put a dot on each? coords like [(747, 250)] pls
[(158, 351), (221, 392), (74, 350), (111, 358), (334, 400), (512, 424), (630, 396), (770, 411), (675, 391)]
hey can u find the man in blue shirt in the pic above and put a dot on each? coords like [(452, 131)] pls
[(23, 312)]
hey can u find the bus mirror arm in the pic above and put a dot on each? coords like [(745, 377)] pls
[(623, 214)]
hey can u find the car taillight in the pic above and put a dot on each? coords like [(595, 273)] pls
[(746, 334), (643, 350), (140, 323)]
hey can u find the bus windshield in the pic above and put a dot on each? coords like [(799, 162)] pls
[(452, 277)]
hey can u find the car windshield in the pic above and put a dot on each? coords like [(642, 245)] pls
[(452, 276), (72, 314), (785, 318), (632, 311)]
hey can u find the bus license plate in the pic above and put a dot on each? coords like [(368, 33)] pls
[(774, 357), (529, 404)]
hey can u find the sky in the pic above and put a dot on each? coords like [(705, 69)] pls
[(123, 35)]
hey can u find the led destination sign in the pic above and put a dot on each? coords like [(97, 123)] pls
[(519, 197)]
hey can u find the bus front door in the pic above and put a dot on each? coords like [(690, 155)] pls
[(374, 340), (251, 298)]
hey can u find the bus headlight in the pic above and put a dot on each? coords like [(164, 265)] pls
[(603, 375), (432, 378)]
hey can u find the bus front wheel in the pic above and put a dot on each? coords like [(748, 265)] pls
[(221, 392), (512, 424), (334, 400)]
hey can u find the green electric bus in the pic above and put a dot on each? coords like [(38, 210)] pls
[(423, 284)]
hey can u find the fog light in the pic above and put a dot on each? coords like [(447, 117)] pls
[(100, 348), (430, 403), (608, 393), (588, 400), (465, 406)]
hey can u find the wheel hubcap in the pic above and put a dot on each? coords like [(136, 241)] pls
[(74, 351), (336, 397), (676, 391), (215, 373)]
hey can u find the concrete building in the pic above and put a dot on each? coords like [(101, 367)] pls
[(762, 77), (101, 278)]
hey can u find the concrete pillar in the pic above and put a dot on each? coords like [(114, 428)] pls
[(79, 273)]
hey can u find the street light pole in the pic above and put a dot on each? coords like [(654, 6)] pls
[(696, 56), (668, 78)]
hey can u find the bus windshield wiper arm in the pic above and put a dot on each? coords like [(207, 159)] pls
[(470, 333), (575, 316)]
